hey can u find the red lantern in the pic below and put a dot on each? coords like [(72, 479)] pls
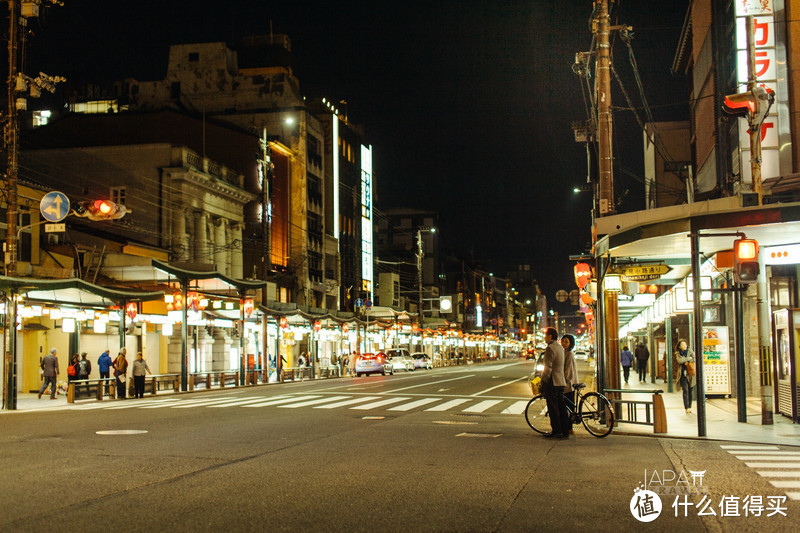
[(345, 328), (586, 298), (178, 297), (583, 273), (247, 305), (642, 288), (317, 325), (652, 289), (284, 322), (590, 317), (131, 310)]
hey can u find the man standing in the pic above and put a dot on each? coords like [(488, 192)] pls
[(50, 367), (642, 354), (553, 384), (104, 366)]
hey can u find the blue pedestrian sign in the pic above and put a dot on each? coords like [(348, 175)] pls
[(359, 302), (54, 206)]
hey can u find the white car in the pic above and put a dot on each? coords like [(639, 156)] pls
[(581, 355), (401, 361)]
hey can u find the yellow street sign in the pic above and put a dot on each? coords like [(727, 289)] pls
[(642, 272)]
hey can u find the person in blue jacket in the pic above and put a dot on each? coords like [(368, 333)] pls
[(626, 359), (104, 366)]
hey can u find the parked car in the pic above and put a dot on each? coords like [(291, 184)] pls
[(421, 360), (401, 361), (581, 355), (373, 363)]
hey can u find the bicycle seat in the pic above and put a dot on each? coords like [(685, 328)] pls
[(579, 386)]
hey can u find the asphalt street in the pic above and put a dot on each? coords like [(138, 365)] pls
[(440, 450)]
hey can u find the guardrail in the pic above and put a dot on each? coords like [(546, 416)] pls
[(655, 413), (209, 379), (98, 388)]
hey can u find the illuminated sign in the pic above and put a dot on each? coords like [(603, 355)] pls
[(781, 255), (366, 220), (767, 52)]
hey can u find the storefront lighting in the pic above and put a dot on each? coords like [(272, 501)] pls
[(705, 286), (166, 329), (168, 299), (81, 315), (26, 311), (55, 314), (68, 325), (229, 306), (37, 310), (217, 304), (98, 326), (46, 311), (612, 283)]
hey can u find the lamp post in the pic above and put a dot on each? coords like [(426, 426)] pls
[(420, 255)]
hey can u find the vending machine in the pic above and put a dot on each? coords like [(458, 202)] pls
[(786, 336)]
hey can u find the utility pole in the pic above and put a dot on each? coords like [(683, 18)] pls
[(602, 28), (420, 254), (12, 140)]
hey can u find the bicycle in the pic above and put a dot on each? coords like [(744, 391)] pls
[(594, 412)]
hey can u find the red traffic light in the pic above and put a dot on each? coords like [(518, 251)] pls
[(745, 261), (99, 210), (104, 207)]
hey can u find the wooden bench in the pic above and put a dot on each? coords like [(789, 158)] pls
[(96, 388)]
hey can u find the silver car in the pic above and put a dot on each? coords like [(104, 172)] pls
[(402, 361), (421, 360)]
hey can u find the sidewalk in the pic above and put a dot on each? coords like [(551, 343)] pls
[(721, 419)]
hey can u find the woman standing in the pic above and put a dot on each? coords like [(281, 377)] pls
[(686, 377), (140, 369), (121, 373)]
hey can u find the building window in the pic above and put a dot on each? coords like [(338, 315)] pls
[(118, 195)]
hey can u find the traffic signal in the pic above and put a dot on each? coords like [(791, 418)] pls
[(745, 261), (99, 210), (752, 105)]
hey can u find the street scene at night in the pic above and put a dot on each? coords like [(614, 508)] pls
[(439, 266)]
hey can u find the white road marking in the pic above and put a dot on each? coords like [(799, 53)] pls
[(773, 465), (241, 402), (380, 403), (516, 408), (501, 385), (779, 473), (432, 383), (481, 406), (786, 484), (346, 402), (449, 405), (181, 402), (313, 402), (414, 404), (745, 448), (279, 401)]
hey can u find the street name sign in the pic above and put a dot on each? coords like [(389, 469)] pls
[(643, 272)]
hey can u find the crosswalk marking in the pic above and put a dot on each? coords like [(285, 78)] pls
[(777, 461), (346, 402), (446, 406), (312, 402), (208, 403), (414, 405), (280, 401), (516, 408), (238, 403), (380, 403), (481, 406)]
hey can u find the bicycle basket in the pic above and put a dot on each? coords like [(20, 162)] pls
[(536, 384)]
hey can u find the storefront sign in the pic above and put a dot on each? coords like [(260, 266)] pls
[(716, 360)]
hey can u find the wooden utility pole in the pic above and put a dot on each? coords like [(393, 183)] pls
[(12, 140), (602, 28)]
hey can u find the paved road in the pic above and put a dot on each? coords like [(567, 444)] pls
[(440, 450)]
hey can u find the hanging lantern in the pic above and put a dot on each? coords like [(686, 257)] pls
[(317, 325), (284, 322), (248, 307), (345, 328), (590, 318), (586, 298), (131, 310), (191, 301), (202, 302), (583, 273), (642, 288), (178, 297), (652, 289)]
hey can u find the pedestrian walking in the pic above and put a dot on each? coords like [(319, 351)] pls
[(140, 370), (104, 364), (553, 384), (345, 363), (121, 373), (686, 372), (642, 354), (626, 359), (570, 376), (50, 373)]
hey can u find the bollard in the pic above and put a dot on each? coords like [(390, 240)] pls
[(71, 393), (99, 391), (659, 414)]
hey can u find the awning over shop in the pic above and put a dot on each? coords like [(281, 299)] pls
[(73, 292)]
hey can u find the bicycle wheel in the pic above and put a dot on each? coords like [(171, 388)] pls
[(596, 414), (536, 415)]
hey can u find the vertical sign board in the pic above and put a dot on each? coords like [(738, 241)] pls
[(716, 359), (366, 220), (336, 155), (769, 52)]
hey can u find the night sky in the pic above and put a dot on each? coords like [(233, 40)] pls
[(468, 104)]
